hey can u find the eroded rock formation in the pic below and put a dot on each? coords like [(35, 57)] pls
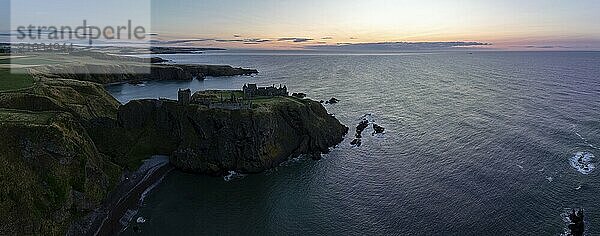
[(215, 141)]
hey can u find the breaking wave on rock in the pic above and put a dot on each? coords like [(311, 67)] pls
[(583, 162), (233, 176)]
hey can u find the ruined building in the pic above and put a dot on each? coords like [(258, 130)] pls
[(252, 91), (184, 96)]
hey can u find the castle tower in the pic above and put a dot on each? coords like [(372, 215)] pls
[(184, 96)]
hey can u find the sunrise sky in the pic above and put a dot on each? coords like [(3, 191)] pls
[(509, 24)]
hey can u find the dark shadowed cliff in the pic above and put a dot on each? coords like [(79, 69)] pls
[(66, 144), (51, 172), (214, 141)]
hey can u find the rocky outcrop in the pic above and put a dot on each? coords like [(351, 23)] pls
[(377, 129), (120, 73), (332, 101), (66, 144), (50, 169), (577, 225), (215, 141), (364, 124), (104, 68)]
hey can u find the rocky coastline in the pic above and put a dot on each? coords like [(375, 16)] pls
[(216, 141), (69, 146), (115, 213), (106, 68), (114, 74)]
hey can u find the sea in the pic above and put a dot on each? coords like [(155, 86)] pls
[(475, 143)]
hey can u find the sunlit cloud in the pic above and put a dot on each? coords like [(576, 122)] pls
[(399, 46), (296, 40)]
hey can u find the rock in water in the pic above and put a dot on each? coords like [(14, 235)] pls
[(378, 129), (361, 127), (332, 101), (356, 142), (299, 95), (577, 226)]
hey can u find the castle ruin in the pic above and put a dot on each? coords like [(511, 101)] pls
[(225, 99), (184, 96), (252, 91)]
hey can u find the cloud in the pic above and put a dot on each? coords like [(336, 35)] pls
[(229, 40), (254, 40), (327, 38), (397, 46), (179, 41), (207, 40), (237, 36), (296, 40), (248, 40), (546, 46)]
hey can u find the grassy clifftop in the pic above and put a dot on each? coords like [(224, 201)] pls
[(66, 142), (51, 172), (10, 81), (106, 68)]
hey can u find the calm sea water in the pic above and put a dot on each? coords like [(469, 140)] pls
[(475, 144)]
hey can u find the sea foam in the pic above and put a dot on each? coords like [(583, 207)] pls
[(583, 162), (233, 176)]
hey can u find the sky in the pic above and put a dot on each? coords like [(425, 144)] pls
[(312, 24)]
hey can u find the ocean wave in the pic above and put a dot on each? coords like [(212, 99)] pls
[(585, 141), (233, 176), (369, 117), (583, 162)]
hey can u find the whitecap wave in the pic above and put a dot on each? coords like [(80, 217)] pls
[(585, 141), (369, 117), (583, 162), (233, 176)]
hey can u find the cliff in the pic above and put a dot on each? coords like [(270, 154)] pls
[(51, 173), (215, 141), (66, 144), (120, 73)]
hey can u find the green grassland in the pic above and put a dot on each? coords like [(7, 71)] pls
[(216, 95), (25, 117), (13, 81)]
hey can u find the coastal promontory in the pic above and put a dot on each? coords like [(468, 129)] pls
[(69, 145), (245, 139)]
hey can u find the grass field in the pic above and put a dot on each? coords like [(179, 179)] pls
[(216, 95), (10, 81), (25, 117)]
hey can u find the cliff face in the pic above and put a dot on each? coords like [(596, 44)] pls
[(118, 73), (106, 68), (214, 141), (66, 143), (50, 170)]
